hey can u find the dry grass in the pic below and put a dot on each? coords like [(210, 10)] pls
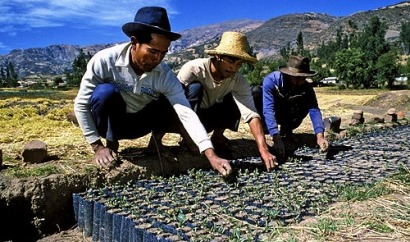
[(35, 115)]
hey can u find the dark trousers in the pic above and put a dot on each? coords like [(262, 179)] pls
[(224, 115), (289, 113), (114, 123)]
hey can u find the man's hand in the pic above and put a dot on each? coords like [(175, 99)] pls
[(104, 156), (269, 160), (322, 142), (218, 163), (278, 146)]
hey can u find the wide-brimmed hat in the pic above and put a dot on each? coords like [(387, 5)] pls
[(233, 44), (298, 66), (153, 18)]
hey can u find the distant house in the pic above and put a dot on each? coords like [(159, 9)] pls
[(329, 81), (401, 79)]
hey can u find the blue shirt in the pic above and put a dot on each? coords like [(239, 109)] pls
[(273, 88)]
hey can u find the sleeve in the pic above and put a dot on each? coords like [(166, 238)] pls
[(189, 119), (268, 102), (315, 113), (82, 108), (187, 73), (243, 97)]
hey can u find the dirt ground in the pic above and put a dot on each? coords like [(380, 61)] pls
[(343, 104)]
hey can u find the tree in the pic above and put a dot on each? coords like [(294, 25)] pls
[(299, 44), (8, 75), (352, 32), (2, 75), (322, 71), (373, 44), (351, 67), (58, 80), (285, 51), (387, 69), (79, 68), (405, 37)]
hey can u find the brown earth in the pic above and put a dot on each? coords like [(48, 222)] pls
[(42, 205)]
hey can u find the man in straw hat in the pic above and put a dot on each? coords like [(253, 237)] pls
[(287, 99), (221, 96), (128, 92)]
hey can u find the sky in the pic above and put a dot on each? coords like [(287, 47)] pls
[(39, 23)]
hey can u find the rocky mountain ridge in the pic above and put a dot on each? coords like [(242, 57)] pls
[(266, 38)]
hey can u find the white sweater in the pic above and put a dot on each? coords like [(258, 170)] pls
[(199, 70), (112, 65)]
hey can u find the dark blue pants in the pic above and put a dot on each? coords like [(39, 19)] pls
[(224, 115), (114, 123), (289, 114)]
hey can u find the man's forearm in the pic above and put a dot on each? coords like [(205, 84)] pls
[(255, 126)]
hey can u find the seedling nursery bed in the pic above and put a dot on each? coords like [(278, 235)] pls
[(248, 206)]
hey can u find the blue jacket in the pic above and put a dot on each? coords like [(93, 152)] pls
[(286, 107)]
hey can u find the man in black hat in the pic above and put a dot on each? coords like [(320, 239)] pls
[(287, 99), (127, 92)]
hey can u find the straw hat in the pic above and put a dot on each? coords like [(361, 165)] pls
[(151, 18), (233, 44), (298, 66)]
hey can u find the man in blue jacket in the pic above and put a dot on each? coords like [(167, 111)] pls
[(287, 99)]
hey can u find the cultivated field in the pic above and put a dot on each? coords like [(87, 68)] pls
[(42, 115)]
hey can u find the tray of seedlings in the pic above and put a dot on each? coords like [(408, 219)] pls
[(250, 205)]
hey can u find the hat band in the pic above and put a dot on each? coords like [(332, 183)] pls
[(293, 69)]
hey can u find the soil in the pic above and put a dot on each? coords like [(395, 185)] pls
[(41, 206)]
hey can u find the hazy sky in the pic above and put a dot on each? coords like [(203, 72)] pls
[(40, 23)]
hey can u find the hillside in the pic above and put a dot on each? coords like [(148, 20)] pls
[(275, 33), (266, 38)]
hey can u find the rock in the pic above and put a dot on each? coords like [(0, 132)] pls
[(391, 118), (343, 134), (377, 120), (400, 115), (357, 118), (354, 122), (391, 111), (72, 118), (332, 123), (1, 158), (34, 151), (358, 112)]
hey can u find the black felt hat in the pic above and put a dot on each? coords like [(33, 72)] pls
[(154, 18)]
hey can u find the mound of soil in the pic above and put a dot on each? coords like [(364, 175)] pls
[(400, 100)]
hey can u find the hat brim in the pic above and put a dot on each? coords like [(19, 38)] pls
[(130, 28), (289, 72), (244, 57)]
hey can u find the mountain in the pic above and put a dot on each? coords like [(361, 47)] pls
[(266, 38), (51, 60), (201, 35), (270, 37)]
